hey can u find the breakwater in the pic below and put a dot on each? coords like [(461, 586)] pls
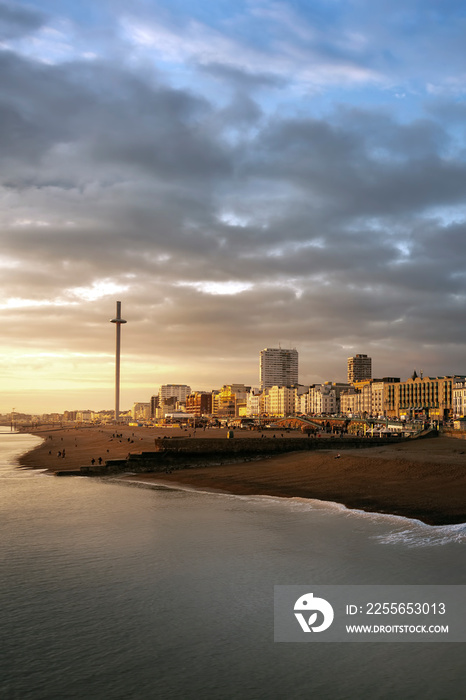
[(185, 453), (458, 434)]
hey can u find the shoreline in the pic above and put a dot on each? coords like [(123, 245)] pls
[(418, 479), (133, 480)]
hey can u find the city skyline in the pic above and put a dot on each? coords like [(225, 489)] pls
[(181, 391), (257, 174)]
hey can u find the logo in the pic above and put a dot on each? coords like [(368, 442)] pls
[(307, 603)]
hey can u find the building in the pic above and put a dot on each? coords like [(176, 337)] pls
[(322, 399), (422, 397), (279, 401), (154, 404), (178, 391), (140, 411), (459, 397), (278, 367), (83, 416), (300, 393), (230, 399), (369, 398), (359, 368), (69, 416), (199, 404)]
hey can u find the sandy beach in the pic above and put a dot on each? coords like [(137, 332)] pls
[(423, 479)]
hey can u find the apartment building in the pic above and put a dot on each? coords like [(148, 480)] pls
[(279, 401), (422, 397), (359, 368), (367, 398), (459, 397), (178, 391), (278, 367), (253, 404), (231, 400), (199, 403), (141, 411)]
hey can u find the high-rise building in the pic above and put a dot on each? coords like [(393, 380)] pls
[(359, 368), (154, 404), (199, 403), (278, 367), (179, 391)]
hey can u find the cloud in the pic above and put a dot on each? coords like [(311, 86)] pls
[(16, 21), (233, 221)]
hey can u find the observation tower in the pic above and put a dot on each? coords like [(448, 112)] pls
[(117, 321)]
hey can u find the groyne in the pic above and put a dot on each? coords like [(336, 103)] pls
[(184, 453)]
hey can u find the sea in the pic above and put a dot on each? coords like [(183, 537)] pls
[(112, 591)]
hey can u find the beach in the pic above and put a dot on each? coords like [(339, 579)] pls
[(423, 479)]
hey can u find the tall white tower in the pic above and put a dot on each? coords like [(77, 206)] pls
[(118, 321)]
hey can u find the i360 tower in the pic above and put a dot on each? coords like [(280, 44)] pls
[(117, 321)]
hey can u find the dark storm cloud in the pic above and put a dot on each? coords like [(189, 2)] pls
[(240, 79), (346, 229), (16, 21)]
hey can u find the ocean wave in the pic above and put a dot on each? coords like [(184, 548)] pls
[(410, 532), (422, 535)]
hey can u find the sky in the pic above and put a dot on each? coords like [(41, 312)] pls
[(240, 174)]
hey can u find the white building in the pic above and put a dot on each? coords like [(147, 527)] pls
[(253, 403), (83, 416), (278, 367), (177, 391), (300, 392), (141, 411), (279, 401), (371, 399), (459, 397), (322, 399), (350, 402)]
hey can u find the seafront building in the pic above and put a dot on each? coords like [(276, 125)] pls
[(178, 391), (253, 403), (424, 397), (278, 401), (278, 367), (154, 404), (459, 397), (359, 368), (199, 403), (231, 400), (141, 411), (319, 398), (435, 399), (366, 398)]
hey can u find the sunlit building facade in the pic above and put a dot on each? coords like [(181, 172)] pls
[(359, 368), (278, 367), (178, 391), (199, 403), (422, 397)]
